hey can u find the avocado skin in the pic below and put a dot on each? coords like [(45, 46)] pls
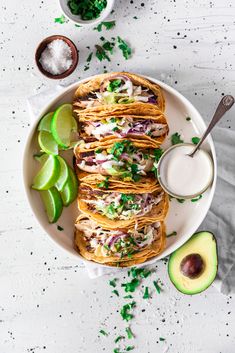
[(175, 254)]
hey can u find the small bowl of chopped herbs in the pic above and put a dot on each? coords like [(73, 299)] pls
[(86, 12)]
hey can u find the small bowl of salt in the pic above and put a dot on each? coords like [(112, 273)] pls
[(56, 57)]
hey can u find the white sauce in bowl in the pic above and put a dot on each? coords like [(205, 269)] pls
[(185, 176)]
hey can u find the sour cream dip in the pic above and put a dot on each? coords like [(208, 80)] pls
[(183, 176)]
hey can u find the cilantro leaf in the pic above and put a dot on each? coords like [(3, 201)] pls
[(196, 198), (181, 200), (161, 339), (125, 311), (129, 333), (88, 10), (146, 293), (89, 57), (113, 282), (108, 46), (129, 348), (62, 19), (131, 286), (103, 333), (108, 25), (115, 292), (158, 288), (175, 138), (195, 140), (112, 87), (101, 54), (104, 184), (119, 338), (124, 47), (158, 153), (128, 296)]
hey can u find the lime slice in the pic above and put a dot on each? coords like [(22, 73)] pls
[(48, 174), (64, 174), (45, 122), (53, 204), (62, 124), (41, 157), (47, 142), (69, 193)]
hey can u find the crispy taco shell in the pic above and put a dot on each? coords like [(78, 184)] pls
[(157, 213), (82, 244), (94, 85)]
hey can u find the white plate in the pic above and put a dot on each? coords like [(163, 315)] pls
[(183, 218)]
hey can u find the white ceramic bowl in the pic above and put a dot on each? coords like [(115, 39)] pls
[(184, 218), (77, 19)]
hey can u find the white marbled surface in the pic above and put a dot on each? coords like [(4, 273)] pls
[(47, 302)]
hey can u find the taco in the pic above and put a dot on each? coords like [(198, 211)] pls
[(122, 247), (128, 160), (153, 128), (112, 209), (118, 93)]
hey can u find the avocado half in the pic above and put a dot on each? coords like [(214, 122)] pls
[(193, 267)]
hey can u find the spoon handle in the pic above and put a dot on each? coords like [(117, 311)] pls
[(224, 105)]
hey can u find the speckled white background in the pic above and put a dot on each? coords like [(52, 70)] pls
[(47, 302)]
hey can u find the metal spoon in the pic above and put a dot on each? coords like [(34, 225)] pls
[(225, 104)]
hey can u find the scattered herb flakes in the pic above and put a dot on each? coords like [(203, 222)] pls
[(125, 311), (158, 153), (128, 296), (188, 118), (103, 333), (108, 46), (161, 339), (158, 288), (136, 272), (89, 57), (101, 54), (106, 247), (116, 350), (119, 338), (113, 282), (135, 17), (195, 140), (196, 198), (131, 286), (129, 348), (146, 293), (77, 25), (108, 25), (176, 138), (171, 234), (124, 47), (181, 200), (104, 184), (60, 20), (59, 228), (115, 292), (88, 10), (129, 333)]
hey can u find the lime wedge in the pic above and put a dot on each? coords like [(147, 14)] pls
[(62, 124), (47, 142), (45, 122), (64, 174), (69, 193), (48, 174), (41, 157), (52, 203)]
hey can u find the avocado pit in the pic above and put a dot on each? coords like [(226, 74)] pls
[(192, 266)]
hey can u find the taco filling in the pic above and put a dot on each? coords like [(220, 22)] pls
[(119, 206), (122, 127), (121, 242), (123, 159), (118, 89)]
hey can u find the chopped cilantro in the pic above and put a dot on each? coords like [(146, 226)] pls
[(161, 339), (108, 46), (112, 86), (88, 10), (175, 139), (77, 25), (195, 140), (129, 296), (59, 228), (181, 200), (104, 184), (158, 153), (127, 197), (135, 17), (146, 293), (196, 198), (115, 129), (136, 272), (108, 25), (188, 118), (60, 20), (129, 333), (116, 350), (129, 348), (119, 338), (124, 47), (99, 150), (101, 54), (158, 288), (131, 286), (125, 311), (113, 282), (89, 57), (171, 234), (115, 292), (103, 333), (106, 247)]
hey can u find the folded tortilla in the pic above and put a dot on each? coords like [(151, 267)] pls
[(120, 247), (136, 160), (113, 209), (87, 91)]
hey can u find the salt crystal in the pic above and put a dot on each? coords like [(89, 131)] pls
[(56, 58)]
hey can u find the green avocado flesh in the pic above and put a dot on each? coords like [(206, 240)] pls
[(204, 245)]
